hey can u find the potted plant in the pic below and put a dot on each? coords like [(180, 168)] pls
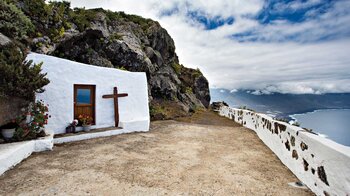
[(8, 130), (86, 121), (71, 126), (32, 124)]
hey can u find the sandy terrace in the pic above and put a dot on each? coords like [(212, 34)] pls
[(203, 155)]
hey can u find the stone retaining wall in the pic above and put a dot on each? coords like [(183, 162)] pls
[(321, 164), (11, 108)]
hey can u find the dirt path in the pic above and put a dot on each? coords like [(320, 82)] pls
[(213, 157)]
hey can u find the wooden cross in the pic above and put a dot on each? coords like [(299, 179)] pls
[(115, 96)]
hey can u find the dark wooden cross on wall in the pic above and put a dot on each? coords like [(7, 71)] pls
[(115, 96)]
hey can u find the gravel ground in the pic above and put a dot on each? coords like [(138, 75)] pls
[(202, 155)]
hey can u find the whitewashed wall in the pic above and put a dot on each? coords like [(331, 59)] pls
[(321, 164), (63, 74)]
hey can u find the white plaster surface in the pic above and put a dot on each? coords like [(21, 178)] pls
[(334, 157), (63, 74), (13, 153), (87, 135)]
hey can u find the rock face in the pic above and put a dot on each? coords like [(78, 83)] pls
[(217, 105), (11, 108), (138, 45)]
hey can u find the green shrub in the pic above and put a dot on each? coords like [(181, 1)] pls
[(197, 73), (143, 22), (13, 22), (115, 36), (82, 17), (112, 16), (19, 78), (156, 110), (177, 68), (48, 18), (189, 90), (57, 34), (90, 51), (122, 68), (37, 9)]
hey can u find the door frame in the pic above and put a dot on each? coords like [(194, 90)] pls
[(92, 87)]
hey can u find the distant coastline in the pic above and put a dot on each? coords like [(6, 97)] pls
[(292, 116), (331, 123), (282, 105)]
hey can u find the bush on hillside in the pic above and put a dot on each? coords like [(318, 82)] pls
[(82, 17), (177, 68), (13, 22), (49, 19), (19, 78)]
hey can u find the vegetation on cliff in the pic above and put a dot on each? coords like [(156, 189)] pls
[(19, 78)]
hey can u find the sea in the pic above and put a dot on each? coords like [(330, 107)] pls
[(330, 123), (326, 114)]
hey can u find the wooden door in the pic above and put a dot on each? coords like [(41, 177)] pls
[(84, 101)]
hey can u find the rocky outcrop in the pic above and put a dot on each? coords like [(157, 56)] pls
[(11, 108), (216, 106), (135, 44)]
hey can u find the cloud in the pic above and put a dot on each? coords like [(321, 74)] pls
[(287, 47)]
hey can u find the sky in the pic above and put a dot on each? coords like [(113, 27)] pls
[(285, 46)]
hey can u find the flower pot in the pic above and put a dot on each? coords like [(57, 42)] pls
[(70, 129), (8, 133), (86, 127)]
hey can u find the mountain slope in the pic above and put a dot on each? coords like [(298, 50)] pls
[(115, 39)]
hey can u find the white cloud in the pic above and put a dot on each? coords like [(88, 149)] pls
[(295, 5), (303, 66)]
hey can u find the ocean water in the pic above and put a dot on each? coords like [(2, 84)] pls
[(333, 124)]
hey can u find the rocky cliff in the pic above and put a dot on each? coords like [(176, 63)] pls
[(119, 40)]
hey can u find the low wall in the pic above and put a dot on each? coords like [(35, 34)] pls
[(321, 164), (13, 153)]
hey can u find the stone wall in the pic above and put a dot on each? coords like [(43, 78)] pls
[(11, 108), (321, 164)]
